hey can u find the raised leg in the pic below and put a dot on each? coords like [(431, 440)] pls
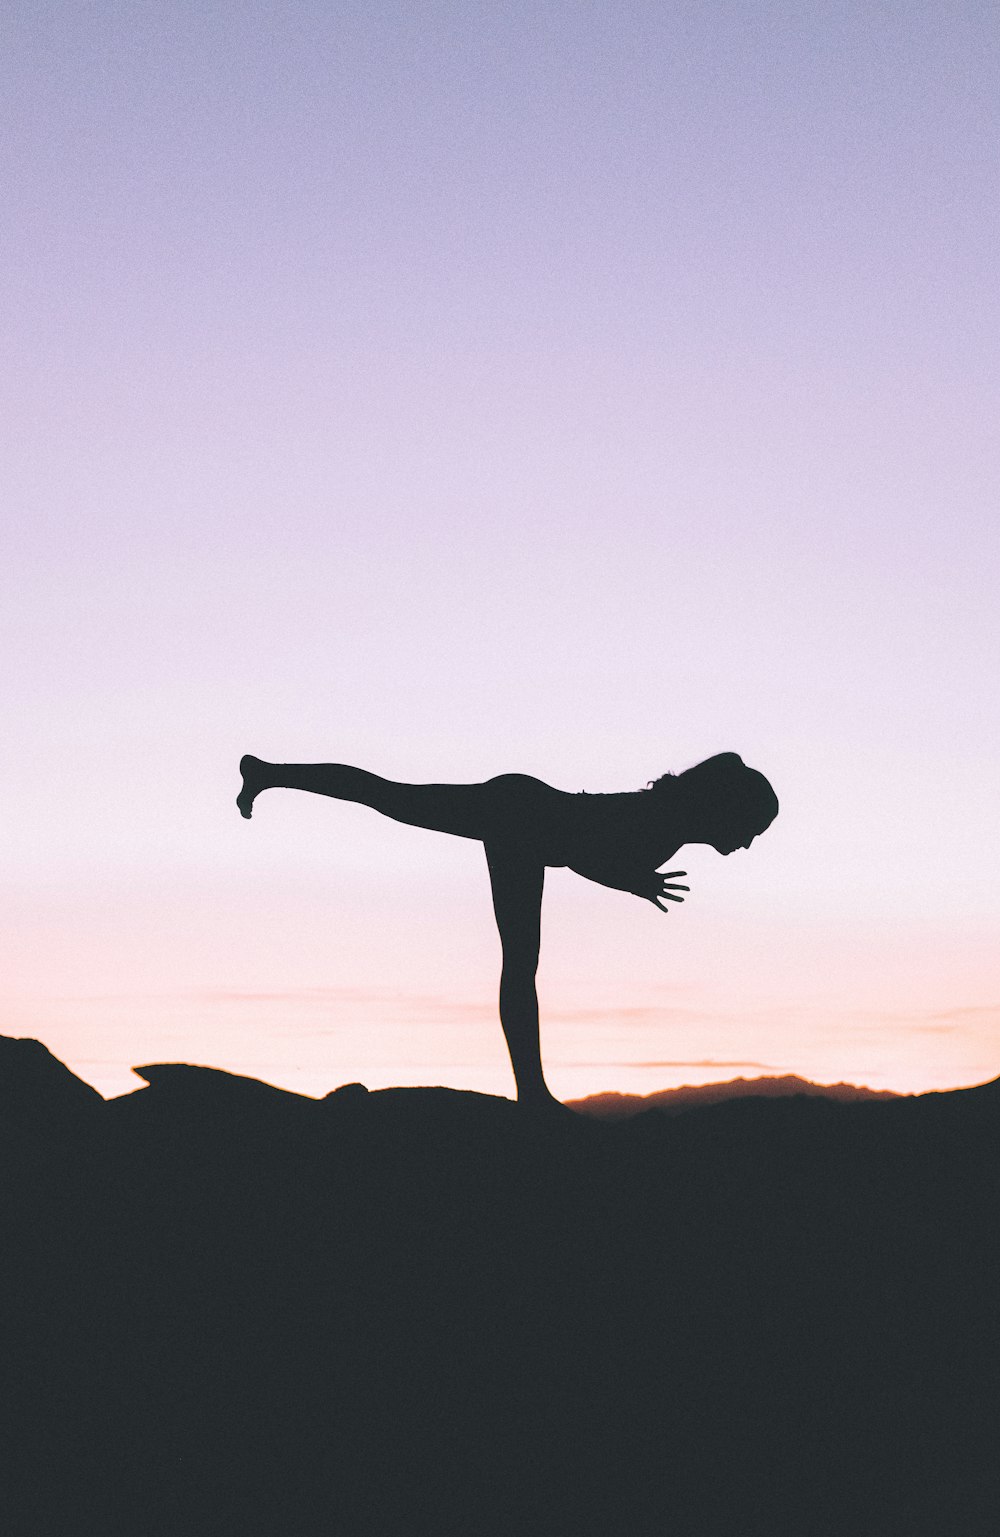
[(462, 810)]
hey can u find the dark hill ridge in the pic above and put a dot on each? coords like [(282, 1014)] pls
[(232, 1309), (35, 1083), (692, 1096)]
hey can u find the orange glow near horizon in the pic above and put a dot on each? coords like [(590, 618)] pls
[(629, 1003)]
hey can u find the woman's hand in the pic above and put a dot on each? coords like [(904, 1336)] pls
[(661, 888)]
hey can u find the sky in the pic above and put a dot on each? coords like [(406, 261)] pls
[(561, 388)]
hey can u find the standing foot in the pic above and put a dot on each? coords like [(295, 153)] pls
[(254, 771), (542, 1105)]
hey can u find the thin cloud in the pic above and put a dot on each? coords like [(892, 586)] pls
[(358, 997), (312, 997), (975, 1008), (932, 1022), (288, 995), (294, 995), (652, 1012), (381, 995), (231, 995), (766, 1067)]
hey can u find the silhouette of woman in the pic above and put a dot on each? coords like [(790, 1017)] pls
[(524, 825)]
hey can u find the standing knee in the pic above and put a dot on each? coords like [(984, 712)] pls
[(518, 981)]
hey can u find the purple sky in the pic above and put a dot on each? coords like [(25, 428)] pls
[(572, 389)]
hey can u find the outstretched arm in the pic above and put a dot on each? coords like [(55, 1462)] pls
[(650, 884)]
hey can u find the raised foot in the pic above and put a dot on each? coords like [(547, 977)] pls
[(254, 780)]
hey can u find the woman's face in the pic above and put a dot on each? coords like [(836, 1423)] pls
[(725, 845), (735, 829), (726, 816)]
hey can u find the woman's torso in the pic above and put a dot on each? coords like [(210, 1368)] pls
[(582, 829)]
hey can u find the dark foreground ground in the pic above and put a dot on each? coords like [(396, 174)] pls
[(228, 1309)]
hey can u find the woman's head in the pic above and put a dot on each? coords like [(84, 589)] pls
[(723, 802)]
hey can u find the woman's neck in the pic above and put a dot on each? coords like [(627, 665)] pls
[(666, 821)]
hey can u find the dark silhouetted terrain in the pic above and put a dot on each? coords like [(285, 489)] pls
[(229, 1309), (615, 1107)]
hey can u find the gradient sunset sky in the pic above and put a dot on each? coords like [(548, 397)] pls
[(576, 389)]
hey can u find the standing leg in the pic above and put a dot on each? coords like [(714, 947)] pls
[(517, 878)]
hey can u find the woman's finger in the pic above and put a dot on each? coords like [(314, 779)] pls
[(674, 887), (670, 896), (668, 875)]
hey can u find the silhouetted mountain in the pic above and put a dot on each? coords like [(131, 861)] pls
[(233, 1310), (36, 1086), (616, 1107)]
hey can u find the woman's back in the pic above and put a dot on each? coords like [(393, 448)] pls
[(595, 828)]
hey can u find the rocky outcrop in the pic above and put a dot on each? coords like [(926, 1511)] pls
[(36, 1088)]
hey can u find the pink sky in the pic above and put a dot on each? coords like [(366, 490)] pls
[(557, 390)]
